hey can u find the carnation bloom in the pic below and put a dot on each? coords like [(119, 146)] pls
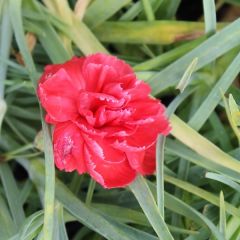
[(106, 122)]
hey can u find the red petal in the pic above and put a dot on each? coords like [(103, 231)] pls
[(106, 165), (105, 131), (74, 70), (147, 134), (148, 164), (135, 159), (144, 161), (61, 109), (151, 121), (104, 59), (57, 96), (139, 91), (49, 71), (96, 75), (68, 148)]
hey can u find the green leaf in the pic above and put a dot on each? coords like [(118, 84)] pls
[(178, 100), (234, 110), (224, 180), (168, 9), (144, 196), (88, 44), (15, 11), (47, 35), (155, 32), (8, 227), (201, 145), (31, 226), (60, 229), (17, 24), (160, 173), (103, 9), (127, 215), (220, 131), (122, 214), (15, 130), (137, 8), (30, 113), (178, 206), (25, 192), (230, 118), (182, 208), (214, 97), (168, 57), (183, 83), (178, 149), (5, 44), (222, 220), (3, 109), (12, 193), (26, 129), (49, 194), (209, 16), (148, 10), (201, 193), (211, 49)]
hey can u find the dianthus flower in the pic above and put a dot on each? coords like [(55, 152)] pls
[(106, 122)]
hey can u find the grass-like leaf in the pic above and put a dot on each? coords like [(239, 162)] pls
[(210, 16), (211, 49), (12, 193), (201, 145), (144, 196)]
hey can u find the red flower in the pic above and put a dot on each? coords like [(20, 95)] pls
[(106, 124)]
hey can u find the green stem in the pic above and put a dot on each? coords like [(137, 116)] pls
[(91, 188), (76, 183), (160, 173)]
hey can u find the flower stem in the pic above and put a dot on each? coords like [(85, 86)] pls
[(91, 188), (76, 182), (160, 173)]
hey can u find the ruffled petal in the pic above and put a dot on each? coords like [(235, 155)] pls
[(144, 162), (74, 70), (135, 159), (146, 135), (112, 61), (150, 120), (108, 166), (96, 75), (57, 95), (60, 109), (145, 108), (49, 71), (148, 165), (139, 91), (105, 131), (68, 147)]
